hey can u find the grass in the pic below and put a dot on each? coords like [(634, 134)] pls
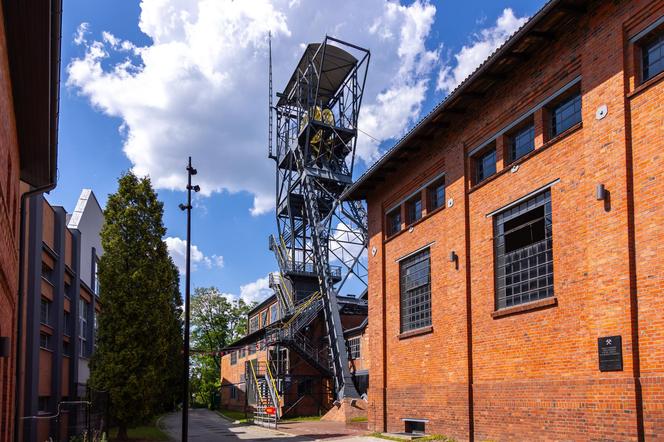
[(144, 432), (425, 438), (234, 415), (301, 419), (359, 419)]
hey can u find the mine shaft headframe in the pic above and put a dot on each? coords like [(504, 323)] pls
[(326, 88)]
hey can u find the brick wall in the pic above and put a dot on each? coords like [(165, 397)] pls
[(535, 372), (9, 208)]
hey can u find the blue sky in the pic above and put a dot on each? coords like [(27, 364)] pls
[(144, 84)]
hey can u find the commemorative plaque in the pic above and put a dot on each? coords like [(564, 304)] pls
[(610, 353)]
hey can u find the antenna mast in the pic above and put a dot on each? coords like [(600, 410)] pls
[(269, 142)]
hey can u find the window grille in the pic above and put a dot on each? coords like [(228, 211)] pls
[(524, 257), (522, 143), (234, 358), (415, 291), (653, 57), (354, 345), (566, 115)]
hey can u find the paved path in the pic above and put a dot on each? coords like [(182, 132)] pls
[(208, 426)]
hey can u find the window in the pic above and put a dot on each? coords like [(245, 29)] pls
[(394, 221), (234, 358), (566, 114), (233, 392), (45, 341), (415, 291), (95, 284), (274, 313), (67, 290), (45, 311), (252, 349), (436, 194), (354, 347), (485, 165), (414, 209), (243, 352), (42, 404), (253, 324), (522, 142), (47, 272), (524, 257), (263, 318), (83, 314), (414, 426), (66, 348), (304, 386), (67, 324), (652, 52)]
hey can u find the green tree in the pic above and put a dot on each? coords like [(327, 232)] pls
[(216, 322), (139, 337)]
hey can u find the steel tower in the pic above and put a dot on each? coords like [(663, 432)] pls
[(321, 242)]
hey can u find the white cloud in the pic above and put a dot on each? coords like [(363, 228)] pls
[(200, 87), (177, 248), (81, 30), (256, 291), (482, 46)]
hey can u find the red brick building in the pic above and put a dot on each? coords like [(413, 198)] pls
[(29, 87), (517, 239), (301, 370)]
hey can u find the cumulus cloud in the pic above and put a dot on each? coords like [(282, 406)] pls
[(200, 87), (483, 44), (256, 291), (177, 248)]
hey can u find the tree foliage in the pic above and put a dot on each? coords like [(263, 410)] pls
[(139, 338), (216, 322)]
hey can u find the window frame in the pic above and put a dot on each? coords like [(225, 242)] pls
[(354, 345), (47, 343), (515, 135), (412, 216), (45, 311), (406, 306), (478, 161), (573, 94), (396, 212), (233, 357), (431, 192), (506, 281)]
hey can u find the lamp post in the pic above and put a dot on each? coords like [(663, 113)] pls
[(185, 396)]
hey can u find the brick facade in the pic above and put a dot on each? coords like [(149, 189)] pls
[(531, 372), (9, 233)]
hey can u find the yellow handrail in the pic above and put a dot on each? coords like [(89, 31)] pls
[(315, 296), (274, 385), (258, 389), (283, 284)]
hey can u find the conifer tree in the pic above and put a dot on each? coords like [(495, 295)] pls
[(139, 338)]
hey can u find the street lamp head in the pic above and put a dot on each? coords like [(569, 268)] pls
[(191, 170), (182, 206), (197, 188)]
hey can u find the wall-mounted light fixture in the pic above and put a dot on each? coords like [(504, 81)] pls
[(453, 256), (600, 192)]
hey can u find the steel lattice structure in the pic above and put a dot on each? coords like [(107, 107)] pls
[(321, 243)]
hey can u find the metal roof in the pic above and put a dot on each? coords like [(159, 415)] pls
[(336, 65), (539, 29)]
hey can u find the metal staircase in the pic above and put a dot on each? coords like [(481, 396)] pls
[(322, 240), (262, 393)]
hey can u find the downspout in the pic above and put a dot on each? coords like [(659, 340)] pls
[(19, 320)]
